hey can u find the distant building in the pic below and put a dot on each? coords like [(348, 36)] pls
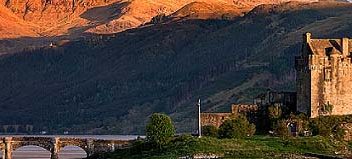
[(285, 100), (324, 77)]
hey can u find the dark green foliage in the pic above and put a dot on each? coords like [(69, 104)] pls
[(301, 121), (281, 129), (268, 118), (210, 130), (274, 112), (158, 19), (329, 126), (159, 130), (236, 128)]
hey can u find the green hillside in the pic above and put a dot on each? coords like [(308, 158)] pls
[(255, 147), (113, 83)]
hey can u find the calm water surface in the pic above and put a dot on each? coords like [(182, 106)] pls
[(68, 152)]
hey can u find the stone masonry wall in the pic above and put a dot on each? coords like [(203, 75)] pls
[(217, 119), (324, 77)]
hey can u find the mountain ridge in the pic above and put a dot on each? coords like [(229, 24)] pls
[(70, 19)]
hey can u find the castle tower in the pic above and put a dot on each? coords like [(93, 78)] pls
[(324, 77)]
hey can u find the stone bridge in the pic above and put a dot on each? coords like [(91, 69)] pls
[(55, 144)]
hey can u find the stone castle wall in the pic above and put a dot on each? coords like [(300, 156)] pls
[(324, 77), (217, 119)]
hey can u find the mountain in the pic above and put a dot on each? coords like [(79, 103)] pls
[(12, 26), (37, 23), (112, 83)]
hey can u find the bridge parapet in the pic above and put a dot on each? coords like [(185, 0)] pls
[(55, 144)]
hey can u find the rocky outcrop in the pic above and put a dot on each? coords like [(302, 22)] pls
[(70, 19), (206, 10)]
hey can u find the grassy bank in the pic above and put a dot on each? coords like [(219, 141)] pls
[(254, 147)]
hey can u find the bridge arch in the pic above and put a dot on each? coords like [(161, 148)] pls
[(79, 152), (82, 147), (36, 150), (84, 144), (47, 145)]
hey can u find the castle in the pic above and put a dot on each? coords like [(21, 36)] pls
[(284, 100), (324, 77), (323, 84)]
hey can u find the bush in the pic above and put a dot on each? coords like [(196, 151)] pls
[(158, 19), (281, 129), (236, 128), (329, 126), (159, 130), (210, 130), (324, 125), (302, 123), (274, 112), (326, 108)]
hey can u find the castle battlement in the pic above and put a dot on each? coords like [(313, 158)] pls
[(324, 76)]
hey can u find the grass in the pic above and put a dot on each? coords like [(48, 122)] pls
[(254, 147)]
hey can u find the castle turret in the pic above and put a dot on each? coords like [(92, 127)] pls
[(305, 44), (324, 77), (307, 37)]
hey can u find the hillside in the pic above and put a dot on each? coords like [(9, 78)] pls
[(36, 23), (203, 10), (113, 82), (255, 147)]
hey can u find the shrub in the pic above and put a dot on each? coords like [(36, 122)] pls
[(159, 130), (139, 146), (274, 112), (281, 129), (301, 121), (329, 126), (236, 128), (326, 108), (158, 19), (324, 125), (210, 130), (339, 133)]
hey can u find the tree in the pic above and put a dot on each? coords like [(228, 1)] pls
[(236, 128), (281, 129), (159, 130), (274, 112), (210, 130), (158, 19)]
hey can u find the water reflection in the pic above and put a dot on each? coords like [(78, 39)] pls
[(35, 152), (70, 152)]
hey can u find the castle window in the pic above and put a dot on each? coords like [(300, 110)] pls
[(327, 74)]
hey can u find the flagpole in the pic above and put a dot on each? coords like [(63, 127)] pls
[(199, 121)]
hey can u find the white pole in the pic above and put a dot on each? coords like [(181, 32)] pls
[(199, 121)]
